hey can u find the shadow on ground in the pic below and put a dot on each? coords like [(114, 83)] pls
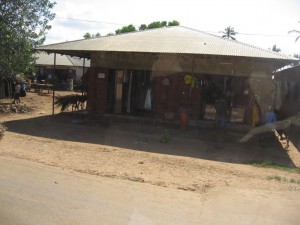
[(218, 144)]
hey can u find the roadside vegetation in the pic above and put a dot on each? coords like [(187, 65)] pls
[(283, 179), (23, 25), (2, 130), (270, 164)]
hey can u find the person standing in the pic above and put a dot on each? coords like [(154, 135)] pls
[(221, 111), (17, 93)]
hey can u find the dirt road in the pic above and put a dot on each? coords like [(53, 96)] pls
[(32, 193), (195, 160)]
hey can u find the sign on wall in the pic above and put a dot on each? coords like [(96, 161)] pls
[(101, 75)]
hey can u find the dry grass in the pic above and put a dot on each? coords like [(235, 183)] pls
[(2, 130)]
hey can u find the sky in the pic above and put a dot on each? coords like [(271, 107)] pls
[(262, 23)]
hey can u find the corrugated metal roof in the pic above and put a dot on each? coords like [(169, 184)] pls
[(79, 61), (288, 73), (168, 40), (61, 60)]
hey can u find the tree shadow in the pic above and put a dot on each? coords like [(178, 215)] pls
[(218, 144), (293, 135)]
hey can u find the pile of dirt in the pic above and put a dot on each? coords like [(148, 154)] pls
[(14, 108)]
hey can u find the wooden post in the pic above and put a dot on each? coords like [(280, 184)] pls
[(53, 84), (190, 90), (83, 82)]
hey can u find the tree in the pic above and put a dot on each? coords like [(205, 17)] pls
[(229, 33), (23, 24), (173, 23), (295, 31), (126, 29), (153, 25), (158, 24), (143, 27), (89, 36), (164, 24), (275, 49)]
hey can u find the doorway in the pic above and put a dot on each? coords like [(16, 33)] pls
[(127, 90)]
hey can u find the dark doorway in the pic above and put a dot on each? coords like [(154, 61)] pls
[(127, 90)]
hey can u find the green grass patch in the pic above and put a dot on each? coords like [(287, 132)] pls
[(283, 179), (270, 164)]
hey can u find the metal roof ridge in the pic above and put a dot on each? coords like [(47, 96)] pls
[(107, 36), (243, 43)]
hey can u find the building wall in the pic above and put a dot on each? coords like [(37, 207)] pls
[(97, 80), (172, 95), (170, 98), (177, 63)]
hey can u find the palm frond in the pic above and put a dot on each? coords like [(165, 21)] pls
[(294, 31), (64, 102)]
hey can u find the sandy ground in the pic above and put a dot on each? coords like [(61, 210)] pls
[(199, 159), (34, 194)]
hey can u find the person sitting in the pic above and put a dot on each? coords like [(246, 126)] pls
[(271, 118)]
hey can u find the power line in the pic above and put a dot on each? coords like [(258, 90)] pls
[(90, 21), (214, 32), (267, 35)]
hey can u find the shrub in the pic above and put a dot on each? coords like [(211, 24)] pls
[(165, 137)]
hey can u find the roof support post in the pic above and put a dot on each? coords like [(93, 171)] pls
[(53, 87), (190, 91), (83, 81)]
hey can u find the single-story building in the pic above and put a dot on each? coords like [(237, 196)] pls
[(67, 67), (167, 70)]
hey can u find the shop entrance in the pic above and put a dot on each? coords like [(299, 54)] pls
[(127, 91), (235, 92)]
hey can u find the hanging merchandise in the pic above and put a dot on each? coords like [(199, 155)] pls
[(187, 79), (197, 83), (147, 104), (191, 80)]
